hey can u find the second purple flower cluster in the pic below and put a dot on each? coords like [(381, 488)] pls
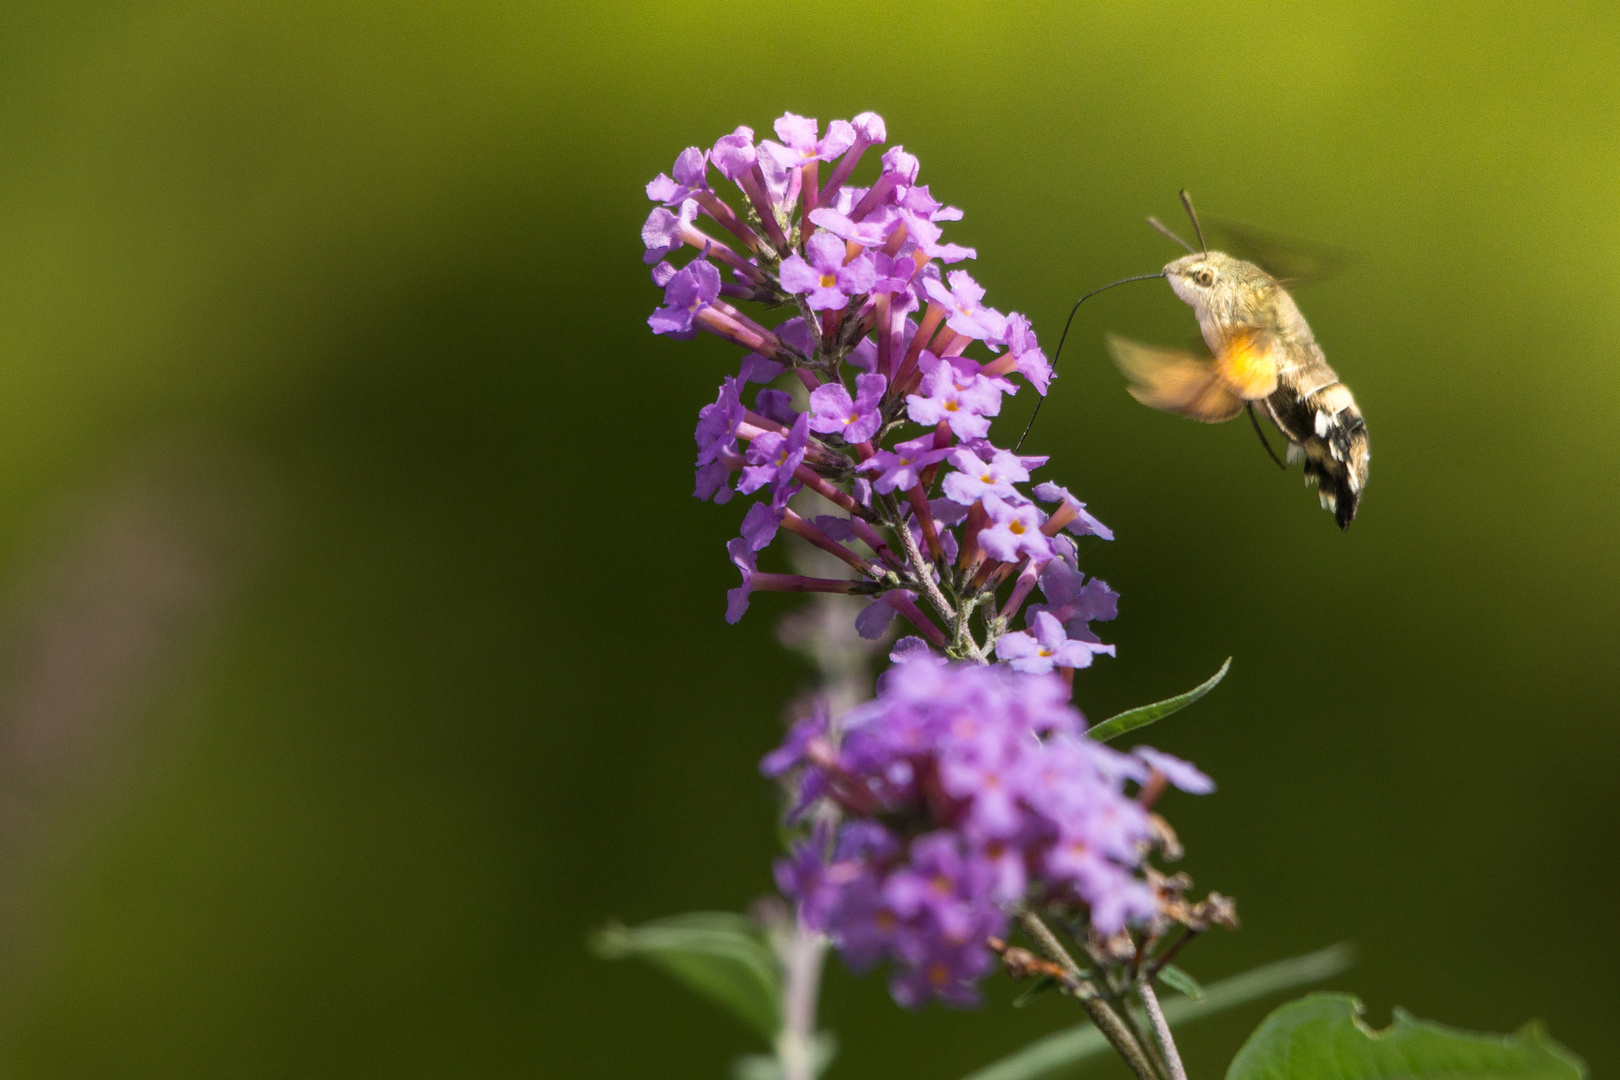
[(965, 792)]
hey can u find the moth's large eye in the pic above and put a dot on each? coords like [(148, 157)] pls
[(1205, 278)]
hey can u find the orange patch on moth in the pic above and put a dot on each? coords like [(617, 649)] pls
[(1248, 365)]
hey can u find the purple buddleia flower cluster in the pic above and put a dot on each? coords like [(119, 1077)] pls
[(858, 419), (966, 791)]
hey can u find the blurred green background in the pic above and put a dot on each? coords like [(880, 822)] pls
[(361, 647)]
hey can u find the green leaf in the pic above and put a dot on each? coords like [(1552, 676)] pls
[(1176, 979), (720, 955), (1115, 726), (1064, 1049), (1041, 986), (1322, 1037)]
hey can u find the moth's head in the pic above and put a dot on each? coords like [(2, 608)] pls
[(1214, 283)]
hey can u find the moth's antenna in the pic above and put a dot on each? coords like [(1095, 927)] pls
[(1265, 442), (1186, 200), (1065, 336), (1162, 227)]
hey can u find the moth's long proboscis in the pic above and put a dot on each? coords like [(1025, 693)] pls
[(1065, 336)]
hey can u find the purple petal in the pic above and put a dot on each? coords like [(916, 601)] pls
[(912, 648), (797, 131), (759, 369), (874, 619), (869, 127), (661, 189), (1180, 773), (759, 526), (797, 276), (734, 154), (825, 252)]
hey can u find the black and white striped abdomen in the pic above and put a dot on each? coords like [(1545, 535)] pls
[(1327, 432)]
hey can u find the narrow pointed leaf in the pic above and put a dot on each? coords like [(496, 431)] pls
[(1064, 1049), (722, 956), (1041, 986), (1322, 1036), (1177, 979), (1115, 726)]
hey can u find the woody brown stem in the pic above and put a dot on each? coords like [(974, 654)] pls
[(1102, 1014)]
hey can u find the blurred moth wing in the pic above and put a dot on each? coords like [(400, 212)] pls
[(1293, 261), (1173, 380), (1212, 390)]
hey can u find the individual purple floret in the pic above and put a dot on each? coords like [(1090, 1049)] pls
[(1082, 523), (691, 177), (825, 276), (869, 233), (760, 524), (874, 619), (692, 288), (716, 436), (834, 412), (773, 459), (1027, 358), (945, 396), (744, 558), (1046, 645), (869, 131), (1074, 601), (964, 313), (1012, 531), (975, 478), (800, 145), (665, 232), (966, 790), (734, 155), (902, 467), (926, 234)]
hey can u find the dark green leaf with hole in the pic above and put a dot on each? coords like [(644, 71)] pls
[(1322, 1037)]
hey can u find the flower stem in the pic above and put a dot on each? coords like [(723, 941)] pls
[(796, 1045), (1102, 1014), (1161, 1029), (923, 572), (1134, 1022)]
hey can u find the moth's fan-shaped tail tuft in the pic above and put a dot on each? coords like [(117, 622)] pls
[(1334, 488), (1327, 431)]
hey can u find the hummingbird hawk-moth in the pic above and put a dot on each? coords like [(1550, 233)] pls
[(1262, 353)]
